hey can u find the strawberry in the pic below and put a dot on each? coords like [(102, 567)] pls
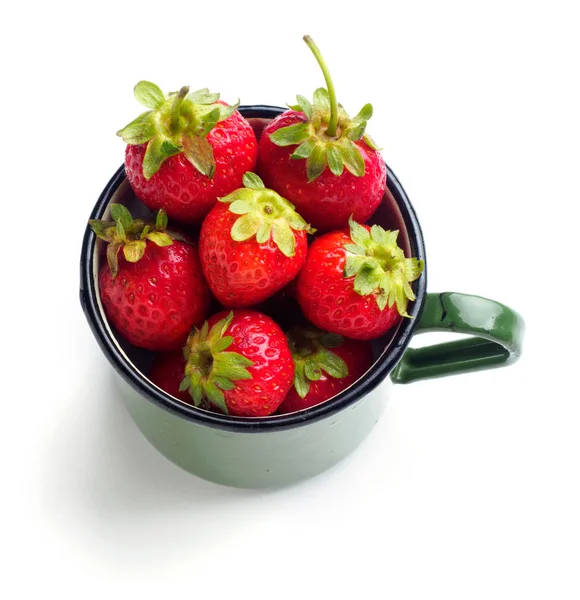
[(186, 151), (238, 363), (325, 364), (357, 283), (252, 243), (153, 292), (321, 160)]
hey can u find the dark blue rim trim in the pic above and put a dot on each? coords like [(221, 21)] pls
[(380, 370)]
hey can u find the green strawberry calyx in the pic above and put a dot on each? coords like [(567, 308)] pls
[(379, 266), (176, 123), (328, 135), (312, 353), (131, 235), (264, 215), (209, 369)]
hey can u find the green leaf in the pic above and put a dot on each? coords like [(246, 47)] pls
[(103, 229), (120, 231), (142, 118), (225, 323), (184, 385), (149, 94), (169, 149), (218, 329), (297, 222), (401, 302), (240, 207), (382, 301), (203, 96), (293, 134), (231, 372), (352, 159), (112, 257), (252, 181), (333, 364), (134, 251), (196, 393), (283, 237), (354, 264), (204, 330), (384, 237), (355, 133), (215, 396), (199, 153), (316, 163), (366, 281), (159, 238), (311, 369), (227, 111), (301, 382), (378, 234), (137, 133), (365, 113), (408, 290), (231, 365), (358, 234), (120, 213), (305, 106), (414, 267), (305, 149), (322, 100), (153, 158), (209, 121), (334, 158), (223, 383), (263, 234), (239, 194), (245, 227), (235, 359), (161, 219), (370, 143), (223, 343), (353, 249)]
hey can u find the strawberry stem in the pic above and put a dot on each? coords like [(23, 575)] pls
[(332, 124), (176, 109)]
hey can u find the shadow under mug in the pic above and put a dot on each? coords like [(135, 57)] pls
[(282, 449)]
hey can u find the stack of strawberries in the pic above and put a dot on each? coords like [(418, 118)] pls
[(259, 225)]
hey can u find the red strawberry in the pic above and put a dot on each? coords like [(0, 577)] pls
[(239, 363), (247, 258), (325, 364), (357, 283), (324, 135), (187, 151), (153, 292)]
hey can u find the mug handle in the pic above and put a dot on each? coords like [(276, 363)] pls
[(497, 332)]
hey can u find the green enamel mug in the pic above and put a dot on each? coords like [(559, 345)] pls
[(279, 450)]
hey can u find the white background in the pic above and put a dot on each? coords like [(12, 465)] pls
[(468, 487)]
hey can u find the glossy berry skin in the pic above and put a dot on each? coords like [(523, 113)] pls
[(155, 302), (328, 299), (242, 274), (328, 201), (358, 356), (179, 188), (167, 371), (259, 339)]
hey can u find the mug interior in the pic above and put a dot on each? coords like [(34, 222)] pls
[(394, 212)]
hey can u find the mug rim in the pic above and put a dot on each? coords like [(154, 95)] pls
[(379, 371)]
